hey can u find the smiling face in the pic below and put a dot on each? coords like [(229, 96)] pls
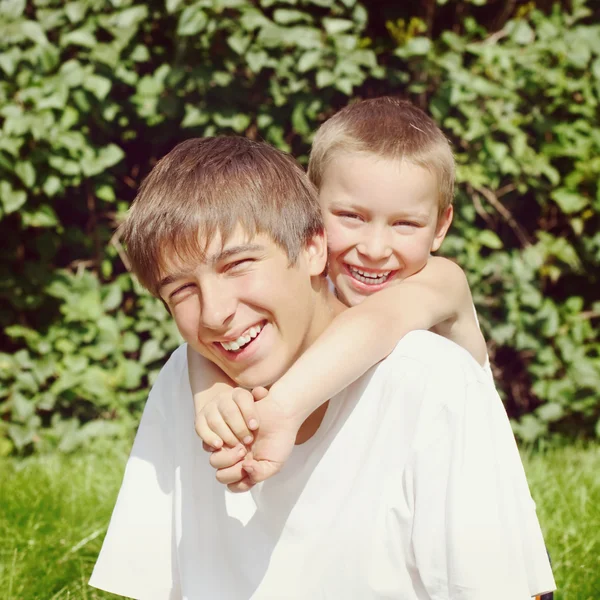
[(382, 222), (246, 309)]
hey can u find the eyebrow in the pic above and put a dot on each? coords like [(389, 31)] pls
[(216, 258)]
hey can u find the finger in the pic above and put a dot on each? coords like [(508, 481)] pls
[(241, 486), (260, 470), (260, 393), (206, 434), (217, 424), (245, 402), (231, 474), (233, 416), (208, 448), (227, 457)]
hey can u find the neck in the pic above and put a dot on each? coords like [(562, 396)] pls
[(326, 308)]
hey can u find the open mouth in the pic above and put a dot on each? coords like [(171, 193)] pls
[(244, 341), (370, 277)]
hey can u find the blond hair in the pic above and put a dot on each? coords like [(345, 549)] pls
[(389, 128), (210, 186)]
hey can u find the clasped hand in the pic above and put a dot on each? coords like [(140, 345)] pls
[(248, 434)]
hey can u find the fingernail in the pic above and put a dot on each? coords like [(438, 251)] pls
[(242, 451), (248, 439), (217, 443), (253, 424), (249, 469)]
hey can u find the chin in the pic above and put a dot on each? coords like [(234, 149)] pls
[(256, 380)]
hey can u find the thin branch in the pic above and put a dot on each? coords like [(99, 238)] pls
[(479, 208), (506, 215), (115, 241)]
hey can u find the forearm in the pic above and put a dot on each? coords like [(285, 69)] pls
[(356, 340), (206, 379)]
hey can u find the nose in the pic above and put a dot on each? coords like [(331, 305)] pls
[(375, 245), (217, 305)]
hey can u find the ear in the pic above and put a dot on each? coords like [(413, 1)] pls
[(443, 225), (315, 252)]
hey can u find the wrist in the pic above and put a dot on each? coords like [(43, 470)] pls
[(291, 411)]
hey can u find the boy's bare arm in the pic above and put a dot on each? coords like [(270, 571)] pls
[(437, 297), (213, 399)]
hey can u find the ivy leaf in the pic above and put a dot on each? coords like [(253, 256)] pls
[(26, 173), (489, 239), (12, 200), (44, 216), (192, 21), (335, 26), (33, 30), (569, 202)]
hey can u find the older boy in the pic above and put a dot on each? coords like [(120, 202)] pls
[(418, 493)]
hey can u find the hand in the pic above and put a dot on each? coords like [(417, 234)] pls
[(228, 419), (273, 445)]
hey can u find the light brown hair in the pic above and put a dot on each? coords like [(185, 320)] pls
[(389, 128), (209, 186)]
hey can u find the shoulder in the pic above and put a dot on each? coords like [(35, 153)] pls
[(436, 358), (171, 382)]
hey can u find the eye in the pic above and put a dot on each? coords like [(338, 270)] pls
[(238, 264), (181, 289), (405, 224), (349, 215)]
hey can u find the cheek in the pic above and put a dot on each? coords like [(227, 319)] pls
[(187, 317), (415, 250), (339, 239)]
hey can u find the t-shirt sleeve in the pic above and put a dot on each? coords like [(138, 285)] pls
[(138, 557), (475, 531)]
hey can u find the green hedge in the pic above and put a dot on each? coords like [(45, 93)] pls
[(92, 92)]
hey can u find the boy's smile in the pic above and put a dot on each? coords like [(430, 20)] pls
[(245, 308), (382, 222)]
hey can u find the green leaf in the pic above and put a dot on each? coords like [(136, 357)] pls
[(550, 412), (26, 173), (9, 60), (42, 217), (12, 200), (80, 37), (173, 5), (309, 60), (12, 9), (75, 11), (285, 16), (324, 78), (569, 202), (106, 193), (335, 26), (129, 17), (34, 31), (151, 351), (489, 239), (194, 117), (52, 185), (110, 155), (257, 60), (192, 21), (97, 85), (239, 42), (522, 33)]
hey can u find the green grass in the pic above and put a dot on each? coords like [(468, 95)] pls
[(54, 511)]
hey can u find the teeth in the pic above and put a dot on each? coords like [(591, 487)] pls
[(243, 339), (369, 278)]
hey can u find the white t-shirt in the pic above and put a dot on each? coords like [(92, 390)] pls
[(411, 488)]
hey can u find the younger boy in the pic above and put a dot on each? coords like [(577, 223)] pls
[(385, 176)]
